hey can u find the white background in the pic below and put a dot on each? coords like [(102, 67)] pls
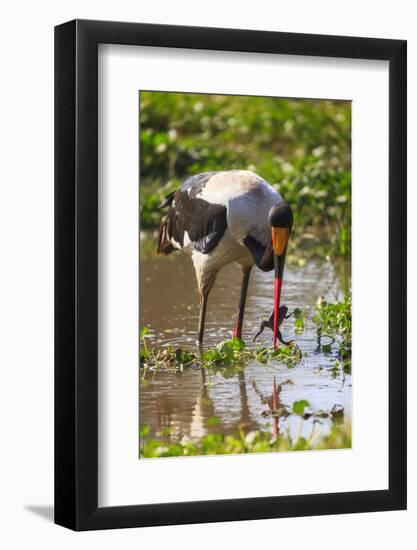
[(26, 300), (123, 479)]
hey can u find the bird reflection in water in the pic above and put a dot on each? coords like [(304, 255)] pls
[(194, 414), (276, 408)]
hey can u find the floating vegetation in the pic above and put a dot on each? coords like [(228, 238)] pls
[(252, 442), (298, 407), (228, 353), (334, 328), (300, 318)]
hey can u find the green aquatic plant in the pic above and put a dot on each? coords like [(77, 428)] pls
[(144, 352), (335, 318), (334, 331), (334, 327), (252, 442), (229, 353), (298, 407), (300, 318), (289, 355)]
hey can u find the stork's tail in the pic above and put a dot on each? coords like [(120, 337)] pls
[(164, 242)]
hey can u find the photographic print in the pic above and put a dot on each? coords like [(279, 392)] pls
[(245, 274)]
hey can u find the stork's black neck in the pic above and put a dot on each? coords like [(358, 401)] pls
[(262, 255)]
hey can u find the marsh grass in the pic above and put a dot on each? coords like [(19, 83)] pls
[(302, 147), (251, 442)]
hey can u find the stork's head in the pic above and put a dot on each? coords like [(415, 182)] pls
[(281, 220)]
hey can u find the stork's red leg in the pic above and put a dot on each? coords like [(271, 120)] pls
[(237, 333)]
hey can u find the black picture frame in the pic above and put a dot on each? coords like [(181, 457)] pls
[(76, 272)]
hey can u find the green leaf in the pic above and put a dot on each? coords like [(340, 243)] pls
[(299, 406), (298, 312), (144, 430), (143, 332)]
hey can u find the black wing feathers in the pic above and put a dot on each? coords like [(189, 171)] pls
[(204, 222)]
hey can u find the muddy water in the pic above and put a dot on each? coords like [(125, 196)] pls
[(237, 398)]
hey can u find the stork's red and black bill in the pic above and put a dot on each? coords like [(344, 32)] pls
[(280, 237)]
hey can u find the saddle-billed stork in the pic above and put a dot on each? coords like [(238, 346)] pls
[(224, 217)]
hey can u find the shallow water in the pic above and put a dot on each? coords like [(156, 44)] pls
[(239, 398)]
